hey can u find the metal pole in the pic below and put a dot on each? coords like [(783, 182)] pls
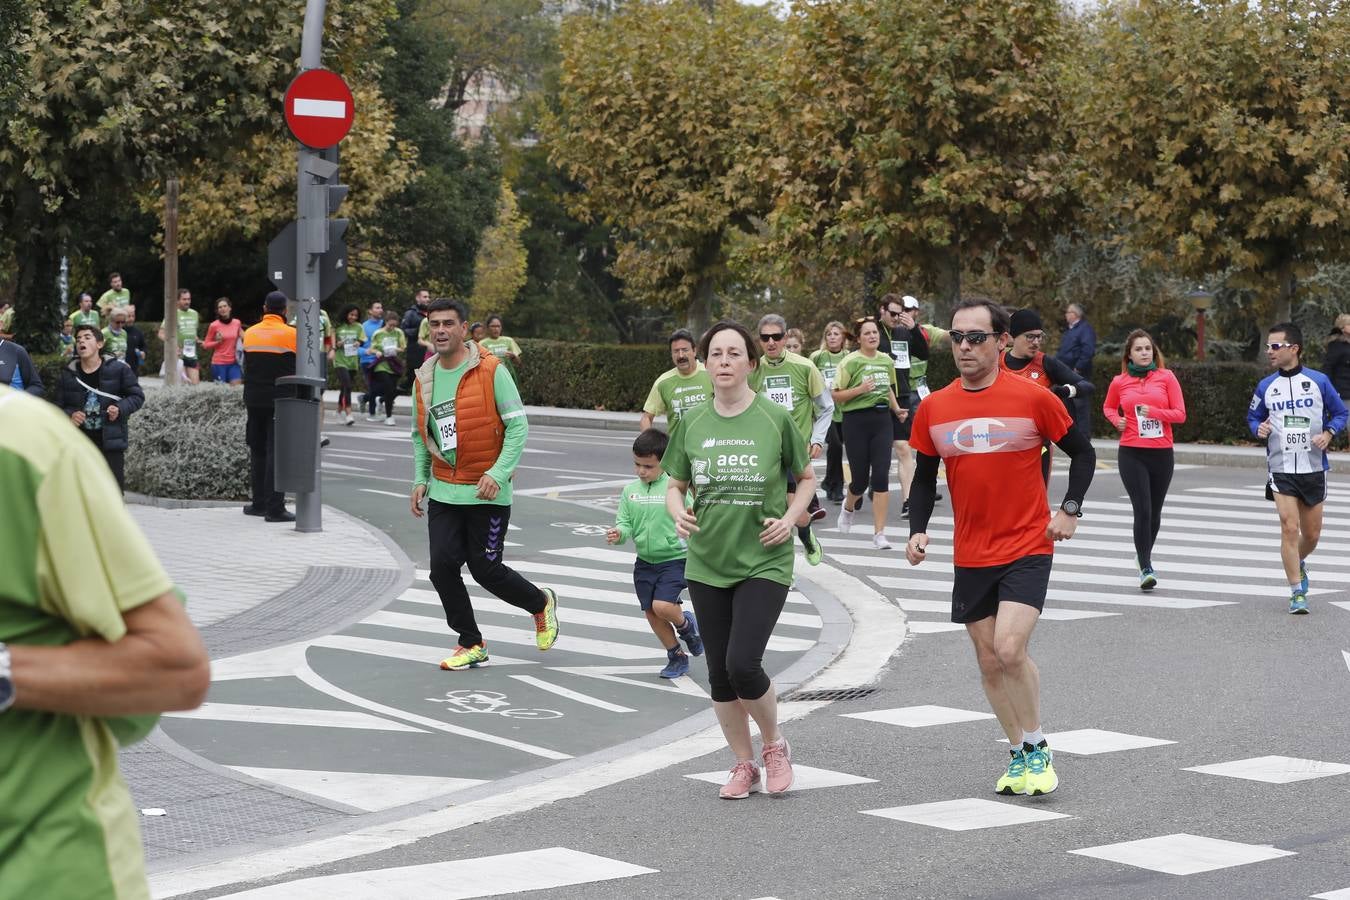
[(311, 203)]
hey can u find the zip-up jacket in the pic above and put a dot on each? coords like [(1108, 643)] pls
[(115, 380), (1300, 404), (642, 518), (481, 431), (269, 354)]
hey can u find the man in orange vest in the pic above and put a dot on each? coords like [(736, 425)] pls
[(269, 353), (469, 430)]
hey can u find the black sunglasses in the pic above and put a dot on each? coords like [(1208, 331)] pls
[(976, 338), (772, 337)]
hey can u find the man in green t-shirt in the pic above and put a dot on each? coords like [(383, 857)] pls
[(827, 359), (501, 346), (677, 390), (94, 644), (84, 313), (188, 336), (115, 297), (792, 382), (464, 475)]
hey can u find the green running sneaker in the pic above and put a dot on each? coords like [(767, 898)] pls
[(1298, 605), (1302, 577), (1147, 580), (1014, 781), (466, 658), (814, 552), (546, 621), (1041, 777)]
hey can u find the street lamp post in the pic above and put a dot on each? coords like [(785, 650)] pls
[(1201, 300)]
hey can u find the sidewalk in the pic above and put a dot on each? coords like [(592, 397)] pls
[(1250, 457), (250, 586)]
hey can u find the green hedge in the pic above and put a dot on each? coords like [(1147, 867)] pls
[(1216, 394), (589, 376)]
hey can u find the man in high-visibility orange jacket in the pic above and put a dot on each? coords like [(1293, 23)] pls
[(269, 354)]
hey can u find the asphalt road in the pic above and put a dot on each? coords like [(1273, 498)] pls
[(1201, 731)]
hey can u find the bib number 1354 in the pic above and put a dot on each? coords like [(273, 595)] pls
[(447, 431)]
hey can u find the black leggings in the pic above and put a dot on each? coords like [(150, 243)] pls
[(1146, 473), (344, 377), (867, 437), (834, 456), (385, 386), (473, 533), (736, 623)]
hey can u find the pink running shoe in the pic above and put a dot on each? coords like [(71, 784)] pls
[(777, 766), (744, 779)]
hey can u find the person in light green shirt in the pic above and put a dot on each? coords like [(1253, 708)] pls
[(500, 346), (680, 389), (115, 335), (85, 314), (346, 356), (94, 645), (465, 481), (865, 388), (833, 349), (795, 384), (115, 297), (388, 344), (735, 453), (7, 320), (189, 336), (658, 571)]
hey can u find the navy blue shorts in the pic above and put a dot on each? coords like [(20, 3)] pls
[(658, 581), (227, 372), (977, 591)]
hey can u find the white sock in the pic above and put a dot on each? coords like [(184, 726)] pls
[(1296, 587), (1032, 737)]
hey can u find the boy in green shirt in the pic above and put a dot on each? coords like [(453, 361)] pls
[(658, 571)]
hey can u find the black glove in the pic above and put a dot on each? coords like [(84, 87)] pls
[(1061, 390)]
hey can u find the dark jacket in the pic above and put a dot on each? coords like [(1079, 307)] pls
[(1077, 346), (135, 348), (115, 378), (269, 354), (412, 322), (14, 360), (917, 339), (1336, 365)]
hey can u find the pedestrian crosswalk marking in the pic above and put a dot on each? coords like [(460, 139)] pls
[(521, 637), (1059, 594), (1092, 741), (1273, 769), (572, 695), (290, 715), (1050, 612), (369, 791), (1183, 854), (648, 679), (967, 814), (919, 716), (460, 879), (929, 627), (804, 778), (422, 653)]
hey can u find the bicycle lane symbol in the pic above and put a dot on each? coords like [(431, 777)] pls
[(582, 529), (466, 702)]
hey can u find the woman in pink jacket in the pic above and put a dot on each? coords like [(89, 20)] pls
[(1144, 402)]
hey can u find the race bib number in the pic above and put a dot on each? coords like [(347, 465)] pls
[(900, 350), (828, 374), (189, 349), (922, 388), (1297, 433), (350, 347), (1148, 428), (390, 347), (443, 421), (778, 388)]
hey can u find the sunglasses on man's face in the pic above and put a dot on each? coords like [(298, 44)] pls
[(975, 338), (766, 338), (1278, 345)]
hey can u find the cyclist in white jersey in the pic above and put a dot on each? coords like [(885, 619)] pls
[(1297, 412)]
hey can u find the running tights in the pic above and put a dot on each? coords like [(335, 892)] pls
[(1146, 473), (867, 438), (736, 623), (834, 457), (385, 386), (344, 377)]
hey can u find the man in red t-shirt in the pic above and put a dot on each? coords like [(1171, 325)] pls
[(988, 427)]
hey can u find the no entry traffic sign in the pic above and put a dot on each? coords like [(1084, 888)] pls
[(319, 108)]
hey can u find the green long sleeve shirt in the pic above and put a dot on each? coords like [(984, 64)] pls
[(643, 519)]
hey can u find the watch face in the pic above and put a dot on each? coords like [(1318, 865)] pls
[(1070, 507), (6, 692)]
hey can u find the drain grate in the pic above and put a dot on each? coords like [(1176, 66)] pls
[(835, 694)]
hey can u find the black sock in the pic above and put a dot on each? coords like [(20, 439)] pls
[(804, 532)]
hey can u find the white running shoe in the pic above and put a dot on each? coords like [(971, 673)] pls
[(350, 420), (879, 541), (371, 417), (390, 421), (845, 520)]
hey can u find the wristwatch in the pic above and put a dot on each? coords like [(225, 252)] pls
[(1072, 507), (6, 682)]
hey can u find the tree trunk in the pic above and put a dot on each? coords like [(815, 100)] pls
[(700, 308), (37, 319), (872, 292), (1284, 300), (171, 281), (947, 279)]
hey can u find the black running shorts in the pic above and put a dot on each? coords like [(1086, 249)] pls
[(1309, 488), (977, 591)]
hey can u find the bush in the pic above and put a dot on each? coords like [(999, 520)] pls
[(1216, 394), (188, 443), (589, 376)]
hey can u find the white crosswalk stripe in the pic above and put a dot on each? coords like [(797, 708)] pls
[(1217, 547)]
